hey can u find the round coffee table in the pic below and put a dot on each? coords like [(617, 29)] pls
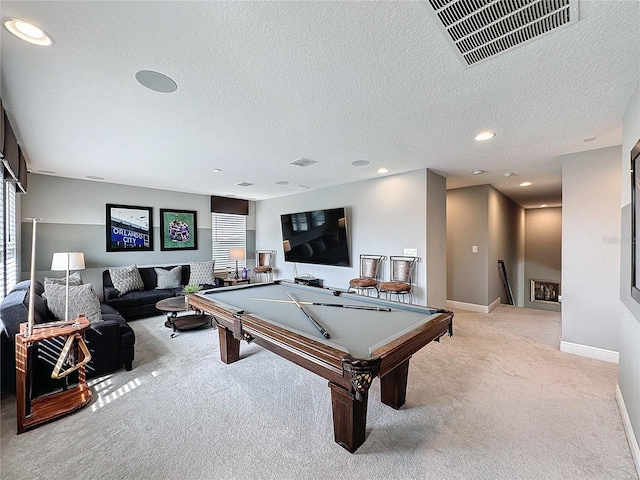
[(171, 306)]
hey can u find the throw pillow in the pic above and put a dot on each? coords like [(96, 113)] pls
[(74, 279), (82, 299), (126, 279), (169, 278), (202, 273)]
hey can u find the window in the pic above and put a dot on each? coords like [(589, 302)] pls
[(228, 231), (8, 232)]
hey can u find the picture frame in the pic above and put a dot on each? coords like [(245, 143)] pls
[(129, 228), (635, 222), (178, 229), (545, 291)]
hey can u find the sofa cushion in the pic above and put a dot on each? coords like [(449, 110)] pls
[(74, 279), (202, 273), (169, 278), (141, 297), (82, 299), (25, 284), (15, 309), (126, 279)]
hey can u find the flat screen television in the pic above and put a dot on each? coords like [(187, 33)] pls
[(318, 237)]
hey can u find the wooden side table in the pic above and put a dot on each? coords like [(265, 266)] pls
[(33, 412)]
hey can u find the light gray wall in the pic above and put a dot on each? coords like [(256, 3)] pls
[(467, 225), (436, 225), (74, 220), (543, 251), (384, 216), (590, 264), (629, 325), (506, 243)]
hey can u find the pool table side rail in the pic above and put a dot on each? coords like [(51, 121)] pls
[(266, 334), (403, 347)]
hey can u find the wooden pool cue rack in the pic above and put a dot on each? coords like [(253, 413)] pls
[(33, 412)]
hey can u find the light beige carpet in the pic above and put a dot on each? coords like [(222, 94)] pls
[(496, 401)]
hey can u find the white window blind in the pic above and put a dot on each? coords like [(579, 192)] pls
[(228, 231), (9, 237), (3, 285)]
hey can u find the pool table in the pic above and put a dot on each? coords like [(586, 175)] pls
[(368, 337)]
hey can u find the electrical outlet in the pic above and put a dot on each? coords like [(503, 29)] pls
[(474, 249), (411, 252)]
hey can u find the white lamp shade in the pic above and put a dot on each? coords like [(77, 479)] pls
[(68, 260), (236, 254)]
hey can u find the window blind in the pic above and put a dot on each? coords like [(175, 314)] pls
[(9, 237), (228, 231)]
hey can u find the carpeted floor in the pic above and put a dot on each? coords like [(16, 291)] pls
[(496, 401)]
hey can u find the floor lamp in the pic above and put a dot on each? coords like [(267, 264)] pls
[(31, 316), (67, 261)]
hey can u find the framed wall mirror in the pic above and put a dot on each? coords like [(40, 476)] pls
[(635, 222)]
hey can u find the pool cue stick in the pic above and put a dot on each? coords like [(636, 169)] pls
[(313, 320), (357, 307)]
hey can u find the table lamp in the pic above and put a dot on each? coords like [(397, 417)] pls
[(67, 261), (236, 254), (286, 245)]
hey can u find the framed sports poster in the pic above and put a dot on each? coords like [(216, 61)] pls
[(178, 229)]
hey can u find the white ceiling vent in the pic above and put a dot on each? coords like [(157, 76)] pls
[(481, 29), (303, 162)]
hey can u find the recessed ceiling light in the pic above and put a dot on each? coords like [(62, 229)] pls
[(156, 81), (94, 177), (27, 31), (589, 139), (282, 182), (300, 187), (216, 170), (484, 136), (360, 163), (544, 205), (508, 174), (50, 172), (383, 170), (525, 184), (478, 172)]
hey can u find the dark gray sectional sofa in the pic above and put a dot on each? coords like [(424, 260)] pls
[(110, 341), (142, 303)]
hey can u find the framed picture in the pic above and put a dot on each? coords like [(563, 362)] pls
[(129, 228), (635, 222), (545, 291), (178, 229)]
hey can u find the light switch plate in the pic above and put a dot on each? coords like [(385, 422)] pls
[(411, 252)]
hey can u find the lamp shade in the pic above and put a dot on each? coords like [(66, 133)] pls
[(68, 261), (286, 245), (236, 254)]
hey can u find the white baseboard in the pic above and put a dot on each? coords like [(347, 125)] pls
[(474, 307), (590, 352), (628, 428)]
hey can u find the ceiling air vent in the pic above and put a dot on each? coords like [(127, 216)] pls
[(303, 162), (481, 29)]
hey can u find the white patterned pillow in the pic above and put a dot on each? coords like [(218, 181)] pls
[(126, 279), (202, 273), (169, 278), (82, 299), (74, 279)]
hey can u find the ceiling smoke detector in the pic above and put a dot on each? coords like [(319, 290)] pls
[(478, 30)]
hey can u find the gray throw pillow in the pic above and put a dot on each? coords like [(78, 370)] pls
[(82, 299), (169, 278), (201, 273), (126, 279), (74, 279)]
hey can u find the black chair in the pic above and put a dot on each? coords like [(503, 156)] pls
[(400, 282), (370, 267)]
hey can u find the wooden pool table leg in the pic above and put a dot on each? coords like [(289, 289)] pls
[(229, 346), (349, 417), (393, 386)]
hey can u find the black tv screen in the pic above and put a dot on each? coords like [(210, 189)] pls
[(319, 237)]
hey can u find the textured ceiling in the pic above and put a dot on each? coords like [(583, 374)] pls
[(262, 84)]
